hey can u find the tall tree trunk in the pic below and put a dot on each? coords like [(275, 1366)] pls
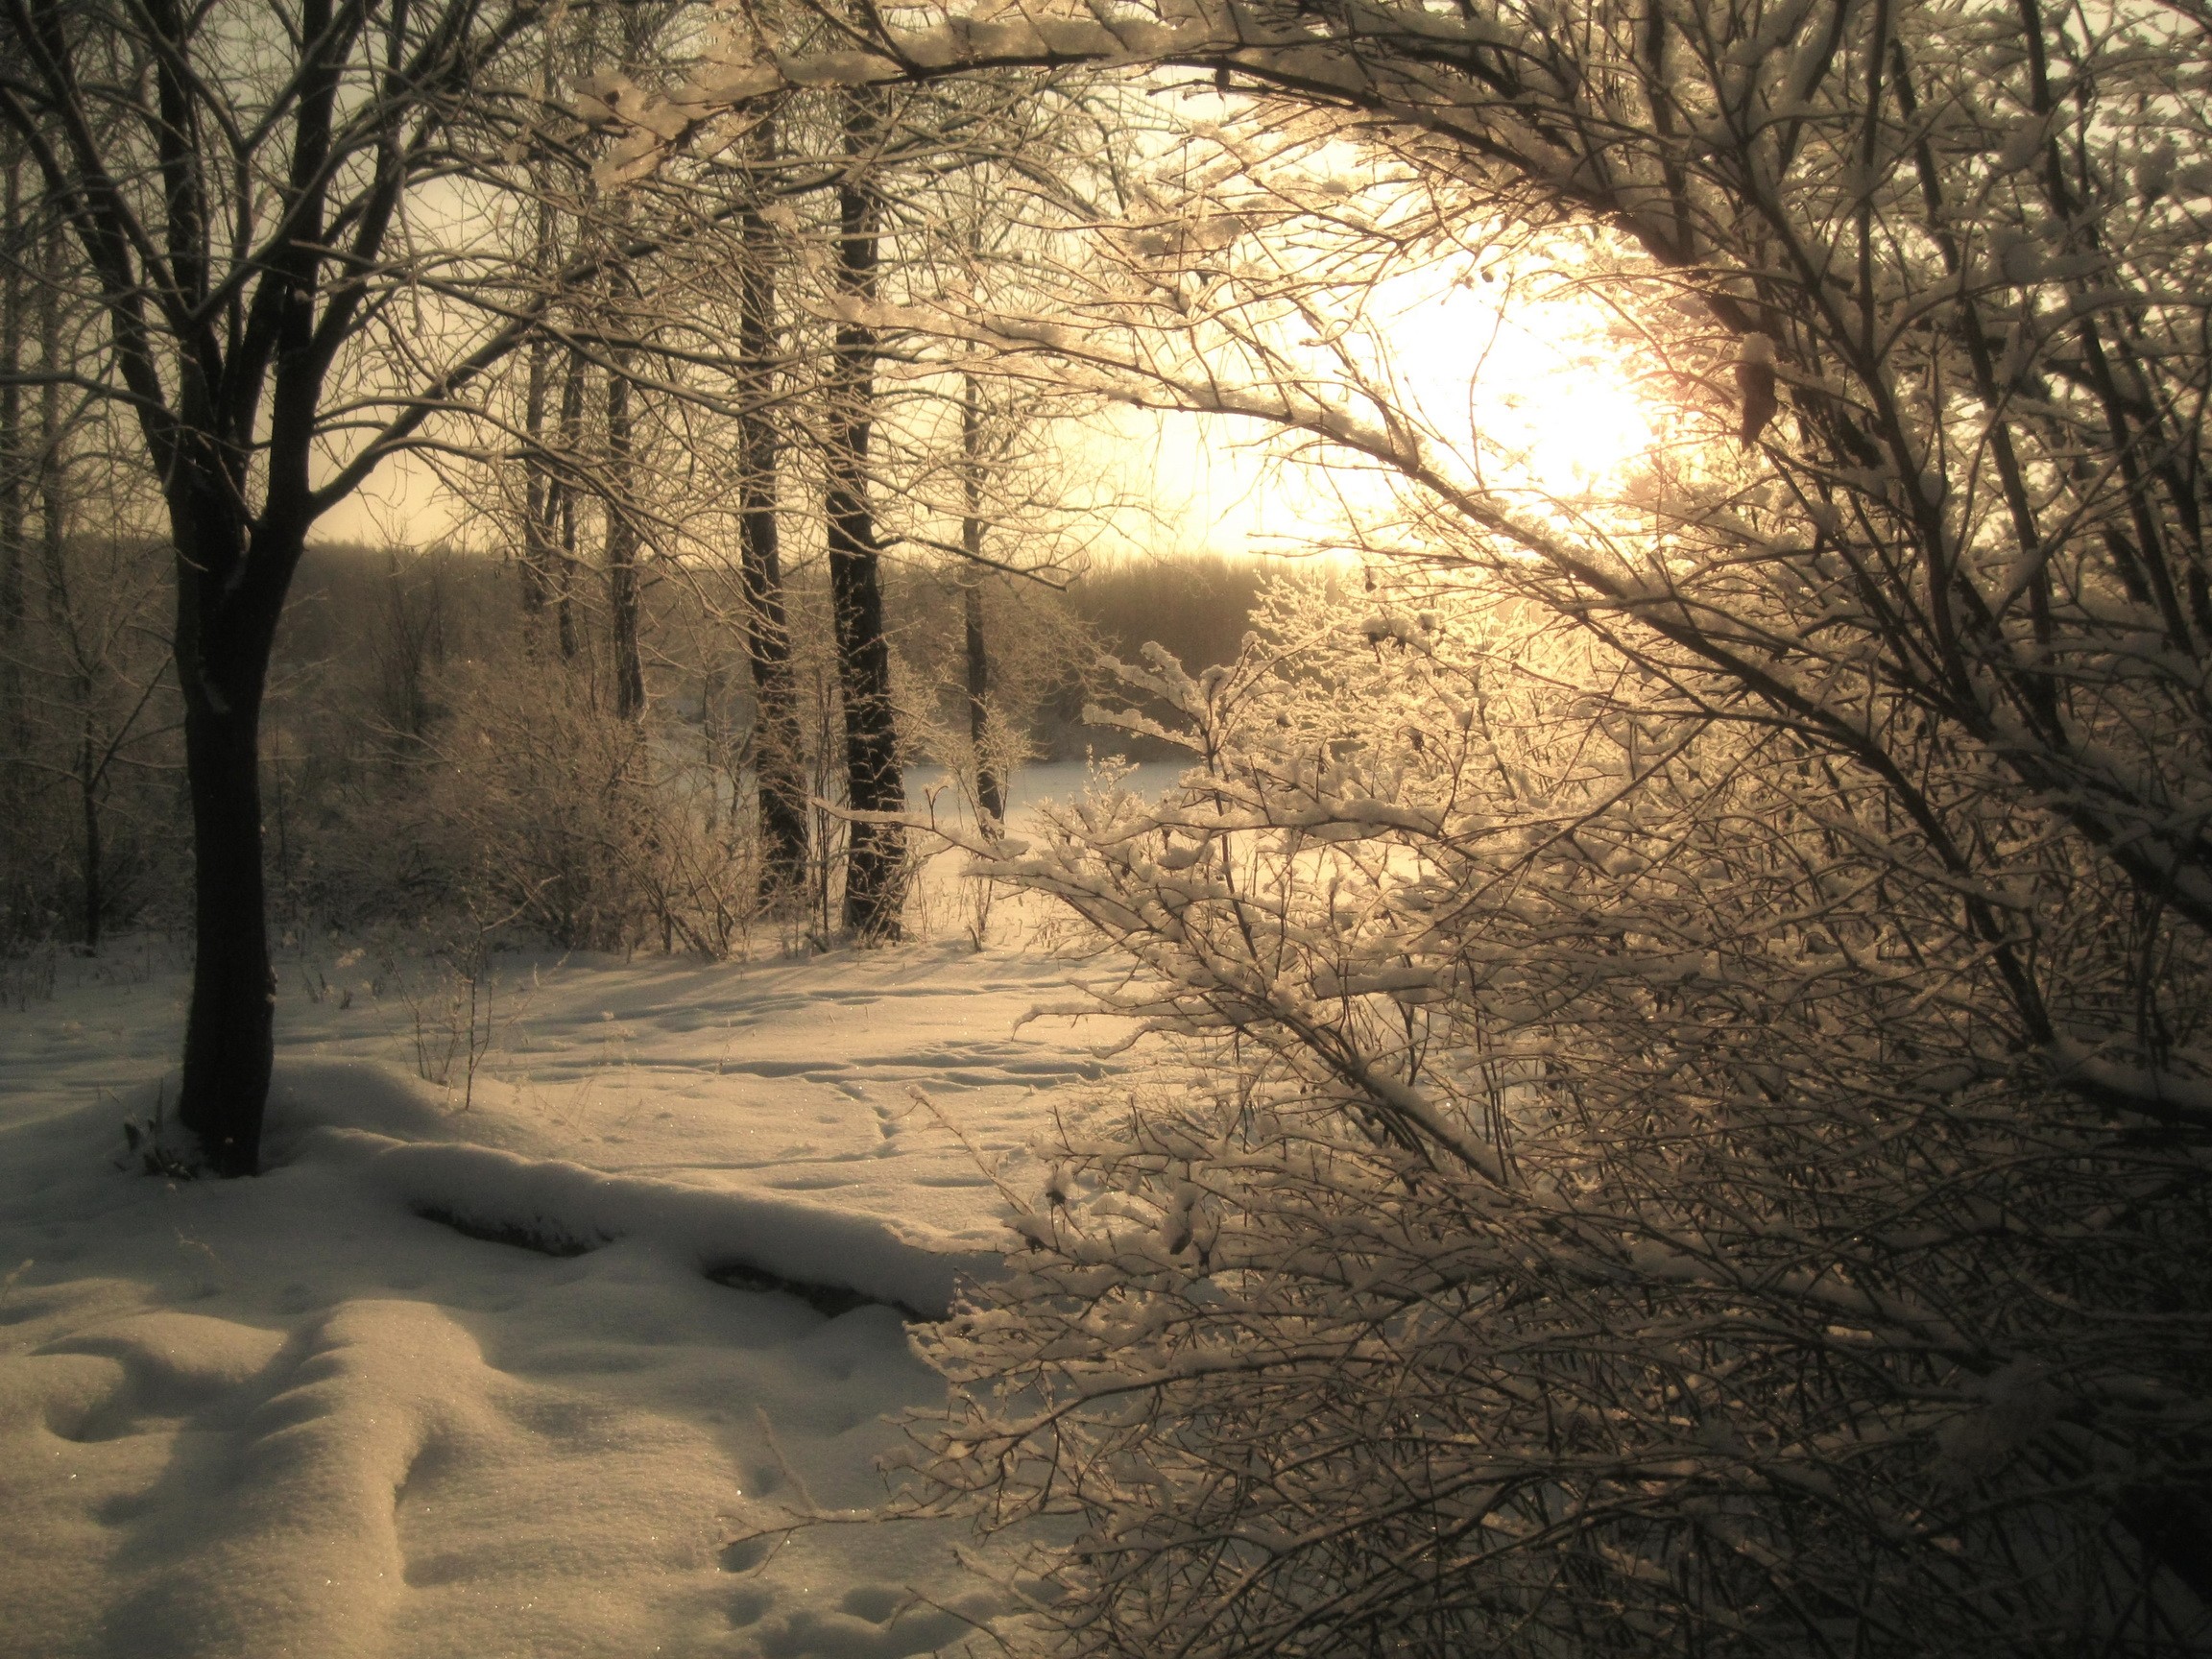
[(89, 773), (622, 544), (565, 565), (53, 456), (990, 792), (622, 493), (874, 867), (53, 552), (223, 646), (776, 759), (14, 730), (538, 491)]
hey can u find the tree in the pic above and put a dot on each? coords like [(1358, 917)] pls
[(782, 785), (990, 768), (1907, 688), (1956, 275), (236, 186), (17, 226), (875, 864)]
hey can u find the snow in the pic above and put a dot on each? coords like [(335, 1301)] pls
[(341, 1410)]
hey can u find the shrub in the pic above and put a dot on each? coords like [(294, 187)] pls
[(1611, 1208)]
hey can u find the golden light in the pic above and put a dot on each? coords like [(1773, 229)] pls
[(1541, 393), (1527, 394)]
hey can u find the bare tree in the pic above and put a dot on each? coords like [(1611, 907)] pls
[(781, 788), (237, 191), (16, 225), (874, 867), (990, 769)]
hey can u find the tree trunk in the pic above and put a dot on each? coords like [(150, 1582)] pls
[(13, 720), (564, 567), (88, 776), (875, 867), (538, 491), (989, 789), (223, 644), (53, 456), (54, 551), (990, 793), (538, 484), (231, 1028), (622, 546), (782, 779)]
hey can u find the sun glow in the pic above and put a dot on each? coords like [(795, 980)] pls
[(1536, 394), (1531, 397)]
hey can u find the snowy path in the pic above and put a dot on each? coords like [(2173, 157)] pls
[(294, 1416)]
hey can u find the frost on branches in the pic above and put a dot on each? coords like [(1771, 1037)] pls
[(1699, 1093), (1609, 1205)]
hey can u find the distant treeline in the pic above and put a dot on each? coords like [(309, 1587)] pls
[(379, 620), (420, 724), (1196, 605)]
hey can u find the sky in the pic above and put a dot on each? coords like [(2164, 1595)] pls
[(1537, 378)]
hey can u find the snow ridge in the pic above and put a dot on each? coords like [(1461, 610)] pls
[(566, 1207)]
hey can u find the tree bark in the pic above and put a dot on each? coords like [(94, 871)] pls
[(223, 637), (89, 779), (53, 552), (52, 458), (565, 565), (14, 721), (538, 492), (539, 488), (623, 543), (990, 791), (781, 784), (874, 867), (990, 788)]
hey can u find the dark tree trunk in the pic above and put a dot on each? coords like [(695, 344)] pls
[(53, 447), (775, 758), (990, 793), (622, 498), (224, 635), (538, 493), (623, 543), (875, 869), (539, 489), (231, 1028), (565, 567), (990, 790), (53, 552), (88, 776), (14, 719)]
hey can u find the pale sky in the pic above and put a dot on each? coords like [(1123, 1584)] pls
[(1539, 382)]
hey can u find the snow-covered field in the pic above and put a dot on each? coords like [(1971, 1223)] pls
[(330, 1412)]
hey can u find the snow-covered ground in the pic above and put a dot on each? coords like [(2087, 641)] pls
[(330, 1412)]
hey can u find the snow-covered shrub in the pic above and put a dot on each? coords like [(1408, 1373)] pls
[(597, 831), (1613, 1207)]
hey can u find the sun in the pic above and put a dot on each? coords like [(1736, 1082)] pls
[(1533, 397), (1537, 393)]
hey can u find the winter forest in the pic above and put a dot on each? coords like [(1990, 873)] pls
[(1105, 828)]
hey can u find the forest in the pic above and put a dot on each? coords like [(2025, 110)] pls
[(1641, 1083), (391, 667)]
